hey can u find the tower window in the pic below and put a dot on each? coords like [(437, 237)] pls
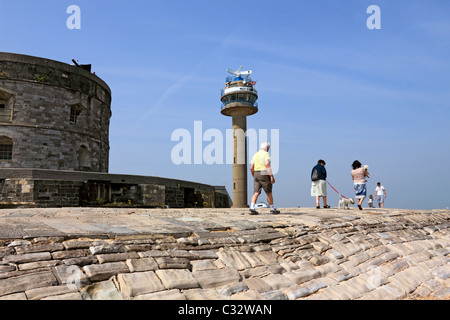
[(84, 159), (76, 107), (6, 146), (74, 113), (5, 110), (5, 151), (6, 106)]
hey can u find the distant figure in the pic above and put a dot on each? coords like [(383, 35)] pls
[(370, 201), (359, 181), (380, 193), (263, 178), (319, 183)]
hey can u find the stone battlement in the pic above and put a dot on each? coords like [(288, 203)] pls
[(220, 254)]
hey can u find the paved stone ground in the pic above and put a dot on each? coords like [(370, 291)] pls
[(219, 254)]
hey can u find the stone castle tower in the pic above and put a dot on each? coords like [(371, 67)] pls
[(54, 144), (52, 115)]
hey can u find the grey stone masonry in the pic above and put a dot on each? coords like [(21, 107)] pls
[(224, 254), (55, 115), (58, 188)]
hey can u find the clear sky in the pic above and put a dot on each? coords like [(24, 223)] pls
[(335, 89)]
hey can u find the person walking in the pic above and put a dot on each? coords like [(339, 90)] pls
[(319, 183), (380, 193), (262, 177), (359, 181)]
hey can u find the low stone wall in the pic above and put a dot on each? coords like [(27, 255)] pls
[(42, 193), (52, 188), (218, 255)]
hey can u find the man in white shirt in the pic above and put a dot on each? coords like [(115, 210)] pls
[(380, 193)]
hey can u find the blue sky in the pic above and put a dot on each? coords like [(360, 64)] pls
[(335, 89)]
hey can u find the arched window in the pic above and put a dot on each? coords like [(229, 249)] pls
[(84, 158), (6, 146)]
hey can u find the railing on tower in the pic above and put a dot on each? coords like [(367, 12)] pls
[(246, 102), (234, 78)]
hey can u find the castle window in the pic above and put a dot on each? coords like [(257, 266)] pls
[(74, 113), (84, 159), (6, 146), (5, 109), (75, 110)]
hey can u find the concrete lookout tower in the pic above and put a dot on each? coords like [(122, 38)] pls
[(239, 101)]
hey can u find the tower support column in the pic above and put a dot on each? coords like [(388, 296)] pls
[(239, 161)]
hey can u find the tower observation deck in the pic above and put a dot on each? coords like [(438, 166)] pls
[(239, 101), (239, 96)]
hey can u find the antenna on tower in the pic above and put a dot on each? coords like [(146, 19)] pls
[(239, 73)]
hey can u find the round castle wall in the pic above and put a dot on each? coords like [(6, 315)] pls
[(52, 115)]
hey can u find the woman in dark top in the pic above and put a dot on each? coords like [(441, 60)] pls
[(319, 184)]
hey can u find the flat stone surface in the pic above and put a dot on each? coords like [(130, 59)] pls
[(143, 264), (173, 294), (301, 276), (41, 293), (200, 254), (173, 263), (104, 290), (14, 296), (114, 257), (231, 289), (278, 281), (28, 257), (105, 271), (139, 283), (234, 259), (72, 275), (216, 278), (50, 247), (203, 294), (174, 278), (26, 282), (65, 296)]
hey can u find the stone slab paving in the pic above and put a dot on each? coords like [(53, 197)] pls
[(224, 254)]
